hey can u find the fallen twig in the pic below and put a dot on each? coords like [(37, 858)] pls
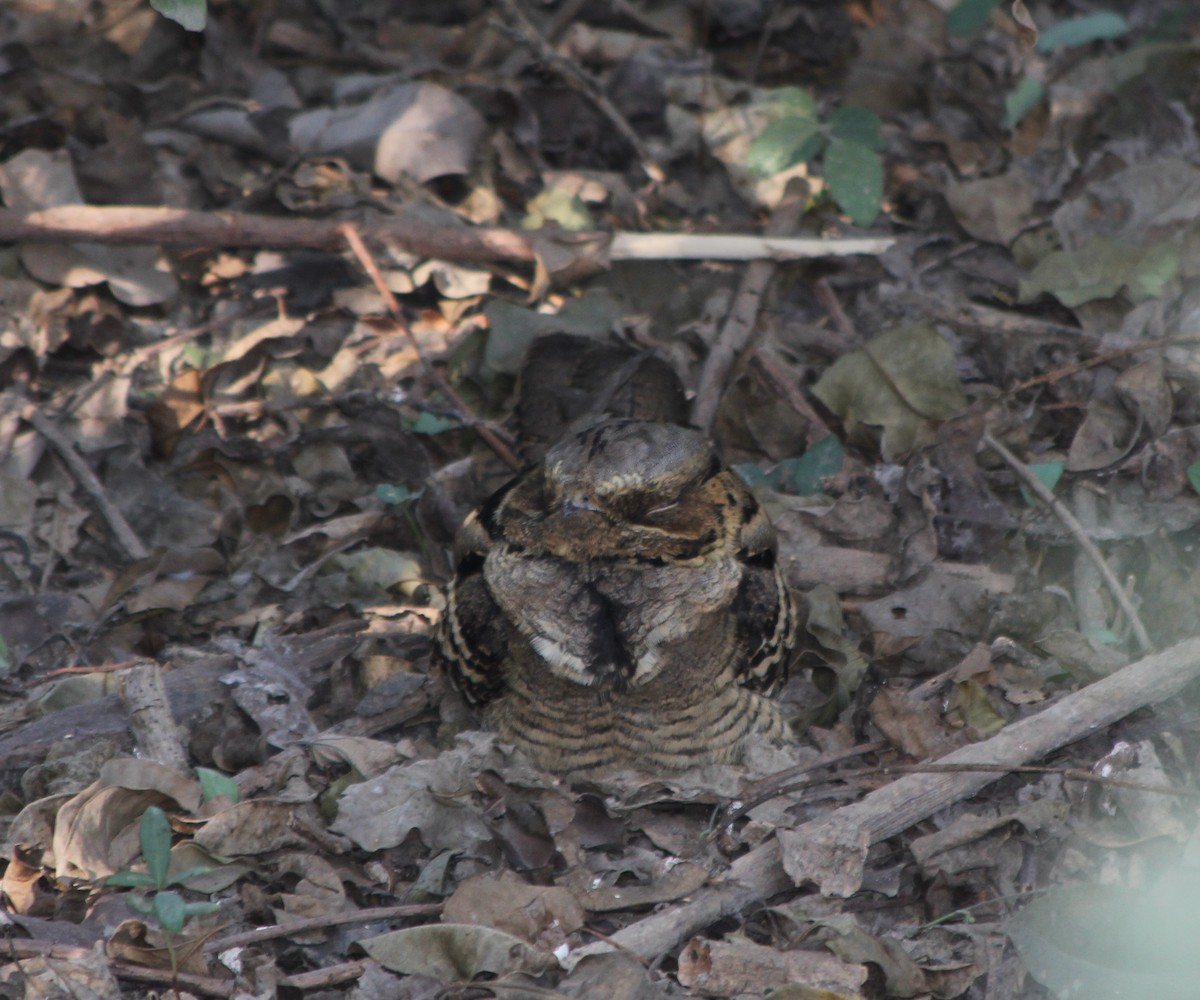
[(787, 386), (765, 789), (527, 33), (407, 230), (178, 227), (330, 975), (125, 535), (1077, 530), (151, 721), (1058, 374), (468, 415), (735, 246), (842, 323), (739, 323), (243, 938), (208, 986)]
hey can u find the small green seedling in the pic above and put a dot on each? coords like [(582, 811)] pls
[(164, 904), (847, 142), (214, 783)]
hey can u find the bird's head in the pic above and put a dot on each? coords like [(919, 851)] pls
[(631, 471)]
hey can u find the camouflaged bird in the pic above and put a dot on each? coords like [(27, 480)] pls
[(620, 605)]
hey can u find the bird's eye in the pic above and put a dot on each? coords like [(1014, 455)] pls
[(574, 504)]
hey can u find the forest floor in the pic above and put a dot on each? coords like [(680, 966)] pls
[(269, 288)]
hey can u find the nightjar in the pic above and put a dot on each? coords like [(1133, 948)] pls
[(619, 605)]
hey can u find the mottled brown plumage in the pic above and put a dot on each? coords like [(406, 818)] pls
[(619, 605)]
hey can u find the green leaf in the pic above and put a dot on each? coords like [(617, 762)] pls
[(855, 176), (1048, 472), (1023, 98), (556, 205), (453, 951), (131, 880), (970, 16), (5, 657), (188, 14), (431, 423), (1100, 269), (803, 476), (795, 100), (214, 783), (179, 878), (140, 904), (800, 476), (857, 124), (170, 910), (1081, 30), (899, 385), (975, 708), (754, 475), (783, 144), (396, 493), (1193, 474), (199, 909), (156, 843)]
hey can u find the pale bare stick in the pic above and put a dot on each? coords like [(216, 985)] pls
[(1079, 533), (738, 246), (155, 732)]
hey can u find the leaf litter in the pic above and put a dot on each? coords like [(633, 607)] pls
[(290, 475)]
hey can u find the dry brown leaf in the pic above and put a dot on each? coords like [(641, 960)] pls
[(139, 944), (136, 275), (531, 912), (912, 726), (679, 880), (256, 827), (726, 968), (53, 978)]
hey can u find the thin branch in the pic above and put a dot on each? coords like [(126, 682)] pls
[(162, 226), (1077, 530), (327, 976), (1066, 773), (735, 246), (208, 986), (125, 535), (829, 300), (765, 789), (739, 323), (372, 268), (1049, 378), (527, 33), (407, 230), (243, 938)]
